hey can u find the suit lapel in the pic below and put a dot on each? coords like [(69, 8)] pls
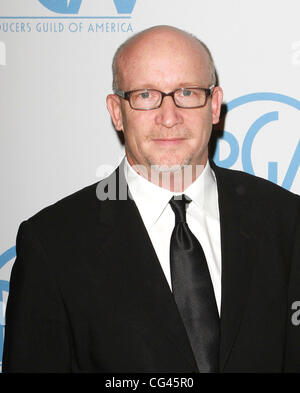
[(124, 238), (121, 225), (238, 248)]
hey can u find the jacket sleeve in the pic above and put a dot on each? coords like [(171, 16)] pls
[(36, 334)]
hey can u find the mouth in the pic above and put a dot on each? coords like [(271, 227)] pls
[(168, 141)]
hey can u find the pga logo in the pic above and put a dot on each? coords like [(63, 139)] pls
[(277, 117), (73, 6)]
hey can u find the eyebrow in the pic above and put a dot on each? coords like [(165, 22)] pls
[(180, 85)]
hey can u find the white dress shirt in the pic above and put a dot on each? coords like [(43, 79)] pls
[(202, 216)]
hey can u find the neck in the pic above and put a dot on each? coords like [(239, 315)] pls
[(175, 180), (179, 180)]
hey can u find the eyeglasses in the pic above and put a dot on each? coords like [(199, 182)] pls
[(148, 99)]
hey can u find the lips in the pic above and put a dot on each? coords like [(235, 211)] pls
[(168, 141)]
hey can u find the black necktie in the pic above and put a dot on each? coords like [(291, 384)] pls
[(193, 291)]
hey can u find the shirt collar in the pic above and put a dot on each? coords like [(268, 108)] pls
[(151, 200)]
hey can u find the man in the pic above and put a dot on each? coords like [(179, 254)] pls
[(99, 283)]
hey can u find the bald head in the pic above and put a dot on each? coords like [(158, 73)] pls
[(160, 37), (163, 68)]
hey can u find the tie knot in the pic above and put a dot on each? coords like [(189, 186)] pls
[(179, 207)]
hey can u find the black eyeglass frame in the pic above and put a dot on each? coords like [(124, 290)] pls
[(126, 96)]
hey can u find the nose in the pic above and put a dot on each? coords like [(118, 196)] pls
[(168, 114)]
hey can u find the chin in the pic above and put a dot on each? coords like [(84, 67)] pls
[(169, 165), (167, 168)]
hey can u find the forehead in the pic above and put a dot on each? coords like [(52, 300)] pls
[(164, 60)]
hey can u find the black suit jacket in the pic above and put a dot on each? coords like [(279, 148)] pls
[(88, 294)]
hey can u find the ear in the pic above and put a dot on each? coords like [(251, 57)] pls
[(216, 102), (114, 107)]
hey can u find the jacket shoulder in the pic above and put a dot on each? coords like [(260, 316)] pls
[(254, 186), (76, 207), (263, 204)]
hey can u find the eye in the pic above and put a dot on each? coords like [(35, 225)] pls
[(145, 94), (186, 93)]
